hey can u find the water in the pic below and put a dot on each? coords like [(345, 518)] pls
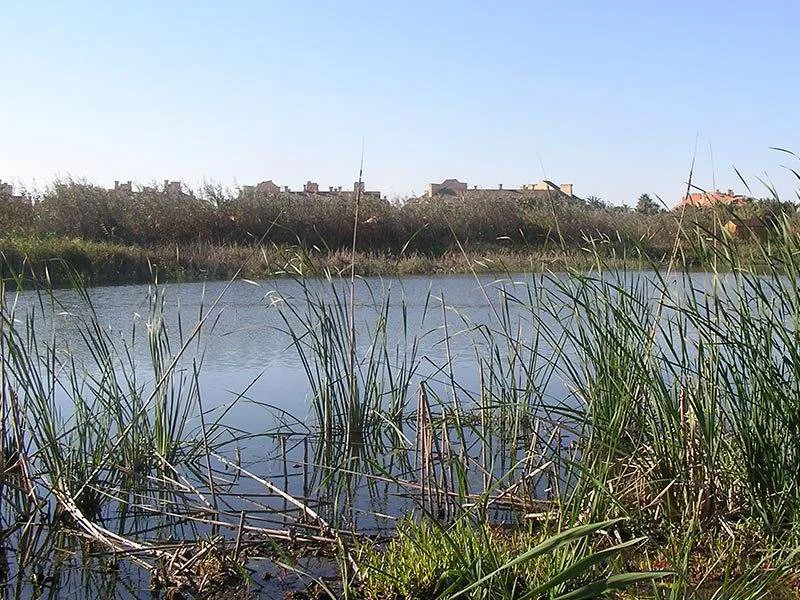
[(244, 340), (251, 370), (468, 347)]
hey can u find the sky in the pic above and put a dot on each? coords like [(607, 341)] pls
[(618, 98)]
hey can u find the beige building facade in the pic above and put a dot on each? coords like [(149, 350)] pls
[(448, 186)]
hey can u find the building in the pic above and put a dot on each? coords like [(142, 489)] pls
[(310, 188), (359, 186), (448, 187), (6, 189), (709, 199), (172, 188), (541, 191), (126, 187), (268, 187), (745, 228), (7, 193), (453, 187), (548, 186)]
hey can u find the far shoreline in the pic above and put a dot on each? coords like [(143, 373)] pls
[(56, 261)]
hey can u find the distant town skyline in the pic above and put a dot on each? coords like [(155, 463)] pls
[(618, 99), (449, 186)]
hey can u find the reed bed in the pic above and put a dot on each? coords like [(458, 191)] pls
[(626, 431), (156, 216), (113, 236)]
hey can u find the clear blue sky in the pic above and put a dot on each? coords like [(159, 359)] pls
[(611, 96)]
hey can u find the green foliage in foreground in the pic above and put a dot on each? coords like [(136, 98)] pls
[(469, 560), (677, 390)]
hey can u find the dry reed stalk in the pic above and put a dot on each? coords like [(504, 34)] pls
[(325, 527), (285, 535), (423, 455), (188, 486), (104, 536), (515, 500), (310, 512), (239, 532), (352, 316)]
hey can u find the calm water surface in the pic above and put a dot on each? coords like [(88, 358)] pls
[(248, 359), (244, 344)]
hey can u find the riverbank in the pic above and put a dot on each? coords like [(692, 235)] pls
[(55, 260), (113, 236)]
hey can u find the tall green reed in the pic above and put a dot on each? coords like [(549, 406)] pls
[(359, 398), (97, 430)]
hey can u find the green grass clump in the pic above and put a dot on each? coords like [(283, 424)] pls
[(470, 559)]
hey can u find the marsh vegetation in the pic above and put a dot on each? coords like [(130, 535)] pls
[(113, 236), (608, 430)]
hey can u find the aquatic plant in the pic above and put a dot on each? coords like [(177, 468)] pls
[(617, 421)]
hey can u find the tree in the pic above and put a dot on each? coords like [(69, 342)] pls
[(596, 203), (647, 206)]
